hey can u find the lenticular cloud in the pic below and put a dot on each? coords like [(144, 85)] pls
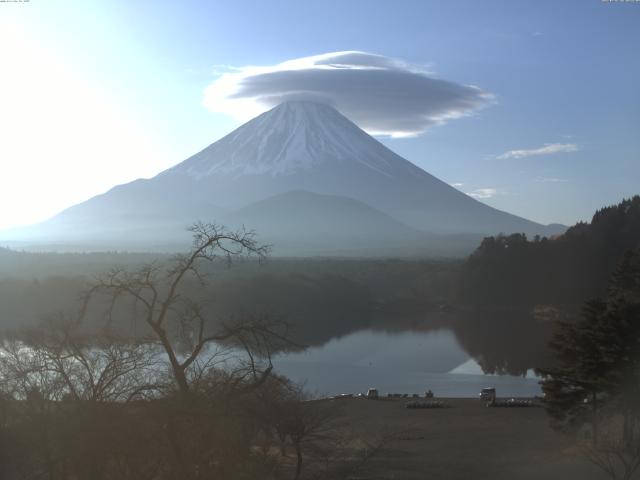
[(384, 96)]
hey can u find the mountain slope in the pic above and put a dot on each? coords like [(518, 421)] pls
[(311, 146), (294, 138), (297, 146)]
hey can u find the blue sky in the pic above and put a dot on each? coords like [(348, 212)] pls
[(100, 93)]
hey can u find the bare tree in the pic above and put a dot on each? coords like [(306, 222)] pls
[(90, 367), (178, 321), (325, 445), (62, 390), (309, 424), (616, 451), (101, 404)]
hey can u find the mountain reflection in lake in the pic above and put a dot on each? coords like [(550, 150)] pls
[(406, 362)]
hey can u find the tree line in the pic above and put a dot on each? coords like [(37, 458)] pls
[(511, 270), (515, 289)]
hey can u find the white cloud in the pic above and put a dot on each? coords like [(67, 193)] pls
[(383, 95), (457, 184), (547, 149), (550, 180), (481, 193)]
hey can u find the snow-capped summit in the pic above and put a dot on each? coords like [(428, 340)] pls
[(292, 137)]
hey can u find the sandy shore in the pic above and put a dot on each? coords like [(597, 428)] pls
[(465, 441)]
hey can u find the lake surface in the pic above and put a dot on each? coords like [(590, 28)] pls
[(406, 362)]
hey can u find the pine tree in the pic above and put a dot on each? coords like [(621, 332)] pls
[(596, 380)]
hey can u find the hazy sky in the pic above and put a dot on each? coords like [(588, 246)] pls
[(532, 107)]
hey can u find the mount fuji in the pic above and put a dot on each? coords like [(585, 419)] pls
[(306, 178)]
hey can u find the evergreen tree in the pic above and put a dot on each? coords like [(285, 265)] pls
[(597, 377), (510, 270)]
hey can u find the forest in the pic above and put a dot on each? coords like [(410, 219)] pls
[(565, 270)]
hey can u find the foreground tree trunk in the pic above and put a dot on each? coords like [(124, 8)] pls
[(299, 460)]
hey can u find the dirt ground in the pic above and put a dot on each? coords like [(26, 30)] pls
[(465, 441)]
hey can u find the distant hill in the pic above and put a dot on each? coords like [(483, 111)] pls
[(303, 223), (309, 223), (570, 268)]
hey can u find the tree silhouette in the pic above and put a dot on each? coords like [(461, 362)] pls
[(177, 319), (597, 377)]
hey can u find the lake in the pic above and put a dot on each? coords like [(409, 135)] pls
[(404, 362)]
